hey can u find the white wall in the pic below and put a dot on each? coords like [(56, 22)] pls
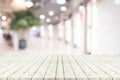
[(89, 27), (106, 28)]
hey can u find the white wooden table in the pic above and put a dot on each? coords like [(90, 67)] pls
[(36, 67)]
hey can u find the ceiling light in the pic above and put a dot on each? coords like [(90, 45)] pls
[(28, 4), (42, 16), (51, 13), (18, 4), (61, 1), (3, 18), (48, 20), (63, 8)]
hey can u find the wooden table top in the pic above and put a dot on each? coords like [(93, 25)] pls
[(36, 67)]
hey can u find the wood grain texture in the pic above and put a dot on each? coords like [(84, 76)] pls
[(36, 67)]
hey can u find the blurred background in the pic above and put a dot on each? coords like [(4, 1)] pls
[(76, 27)]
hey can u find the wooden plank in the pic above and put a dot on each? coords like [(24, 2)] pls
[(10, 66), (90, 74), (79, 73), (59, 73), (30, 73), (51, 72), (110, 65), (39, 75), (114, 71), (17, 71), (104, 68), (68, 72), (99, 72)]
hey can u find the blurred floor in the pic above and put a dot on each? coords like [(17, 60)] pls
[(42, 47)]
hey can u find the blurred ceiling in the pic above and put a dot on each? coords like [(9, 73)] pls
[(40, 7), (5, 6)]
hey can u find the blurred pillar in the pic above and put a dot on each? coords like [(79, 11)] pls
[(61, 28), (72, 31), (85, 26), (89, 27)]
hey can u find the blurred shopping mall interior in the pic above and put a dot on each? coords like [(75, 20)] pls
[(68, 27)]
